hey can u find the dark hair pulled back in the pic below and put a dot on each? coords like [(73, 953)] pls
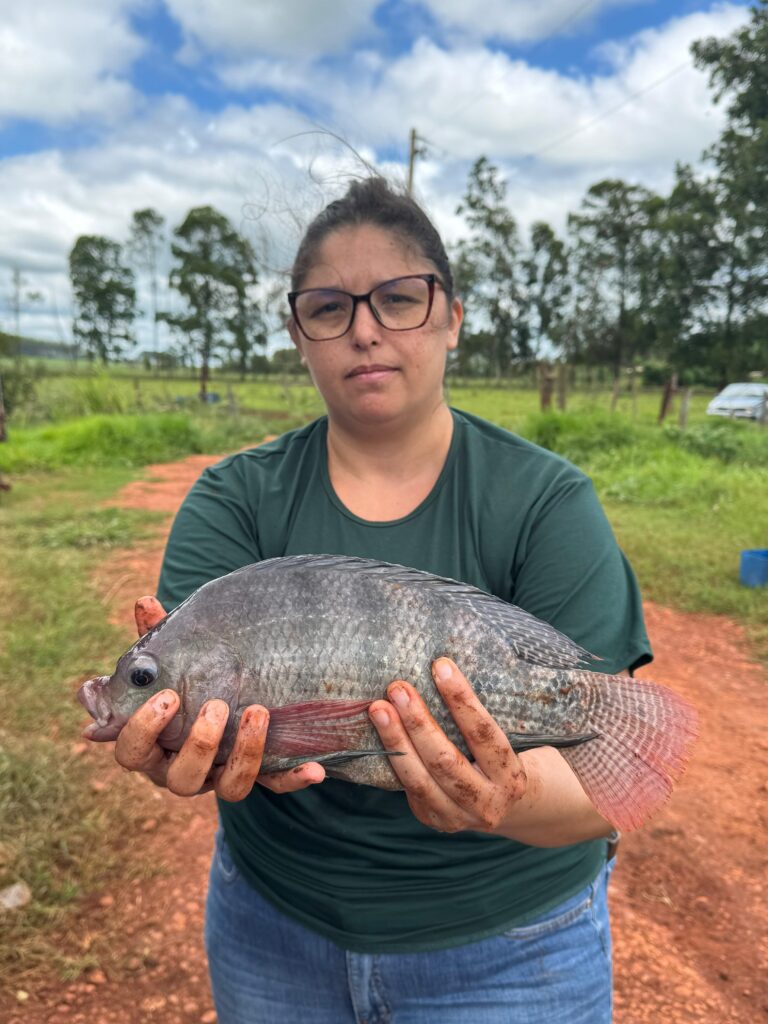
[(374, 201)]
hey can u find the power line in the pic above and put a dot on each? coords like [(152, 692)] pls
[(612, 110)]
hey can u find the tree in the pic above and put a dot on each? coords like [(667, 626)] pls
[(105, 297), (738, 67), (687, 259), (613, 250), (490, 263), (144, 247), (546, 285), (215, 275)]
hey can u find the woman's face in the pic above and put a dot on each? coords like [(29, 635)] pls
[(371, 374)]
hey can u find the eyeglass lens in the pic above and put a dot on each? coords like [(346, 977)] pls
[(401, 305)]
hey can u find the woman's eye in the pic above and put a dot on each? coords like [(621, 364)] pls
[(328, 309), (143, 676)]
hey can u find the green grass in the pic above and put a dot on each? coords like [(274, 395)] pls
[(54, 631)]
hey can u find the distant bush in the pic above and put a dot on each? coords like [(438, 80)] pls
[(101, 441), (19, 383), (724, 440), (579, 436)]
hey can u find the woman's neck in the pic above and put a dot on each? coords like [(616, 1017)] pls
[(384, 474)]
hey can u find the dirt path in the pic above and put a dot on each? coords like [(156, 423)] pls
[(689, 894)]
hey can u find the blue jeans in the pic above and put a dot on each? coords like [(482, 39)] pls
[(266, 968)]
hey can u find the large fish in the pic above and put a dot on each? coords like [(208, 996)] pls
[(317, 638)]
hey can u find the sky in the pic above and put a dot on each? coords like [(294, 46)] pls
[(263, 109)]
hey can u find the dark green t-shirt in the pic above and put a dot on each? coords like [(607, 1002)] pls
[(351, 862)]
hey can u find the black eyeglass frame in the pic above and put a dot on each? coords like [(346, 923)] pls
[(431, 279)]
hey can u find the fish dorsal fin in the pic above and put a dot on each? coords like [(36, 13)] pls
[(530, 638)]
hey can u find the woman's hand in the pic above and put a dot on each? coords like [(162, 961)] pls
[(533, 797), (191, 770), (444, 789)]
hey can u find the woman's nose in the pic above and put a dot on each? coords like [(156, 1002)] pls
[(365, 329)]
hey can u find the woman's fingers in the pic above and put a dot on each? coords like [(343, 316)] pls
[(429, 802), (444, 789), (148, 612), (483, 735), (296, 778), (189, 770), (136, 747), (236, 778)]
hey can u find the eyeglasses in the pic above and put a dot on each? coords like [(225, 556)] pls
[(402, 304)]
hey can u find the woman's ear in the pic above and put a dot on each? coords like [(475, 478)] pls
[(454, 324)]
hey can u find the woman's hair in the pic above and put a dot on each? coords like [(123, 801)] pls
[(374, 201)]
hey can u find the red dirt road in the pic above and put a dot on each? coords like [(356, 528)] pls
[(690, 913)]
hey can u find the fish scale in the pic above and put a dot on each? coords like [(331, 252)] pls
[(317, 638)]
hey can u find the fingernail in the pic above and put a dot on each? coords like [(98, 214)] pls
[(442, 670), (253, 719), (380, 717), (399, 696), (161, 701)]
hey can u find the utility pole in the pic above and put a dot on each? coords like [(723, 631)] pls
[(414, 150)]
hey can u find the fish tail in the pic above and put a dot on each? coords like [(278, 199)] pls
[(645, 737)]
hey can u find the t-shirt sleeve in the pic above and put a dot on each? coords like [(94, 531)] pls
[(213, 534), (572, 573)]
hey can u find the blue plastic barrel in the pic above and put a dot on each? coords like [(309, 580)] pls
[(753, 571)]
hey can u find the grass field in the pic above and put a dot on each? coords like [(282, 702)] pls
[(683, 505)]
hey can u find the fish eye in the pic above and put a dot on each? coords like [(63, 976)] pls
[(144, 673)]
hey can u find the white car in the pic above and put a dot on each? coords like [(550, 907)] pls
[(743, 401)]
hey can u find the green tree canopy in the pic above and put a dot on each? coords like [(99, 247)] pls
[(104, 297), (215, 275), (144, 247), (612, 252)]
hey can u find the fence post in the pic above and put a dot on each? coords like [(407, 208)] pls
[(666, 399), (684, 403), (3, 435)]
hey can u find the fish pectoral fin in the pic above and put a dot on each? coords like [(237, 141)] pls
[(335, 760), (526, 741), (313, 728)]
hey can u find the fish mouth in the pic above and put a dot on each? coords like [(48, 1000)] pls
[(106, 725)]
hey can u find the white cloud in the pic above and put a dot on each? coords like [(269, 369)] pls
[(473, 101), (515, 20), (287, 27), (62, 61)]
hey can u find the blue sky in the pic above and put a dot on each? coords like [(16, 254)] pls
[(109, 107)]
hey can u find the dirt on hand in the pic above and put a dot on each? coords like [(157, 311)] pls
[(688, 897)]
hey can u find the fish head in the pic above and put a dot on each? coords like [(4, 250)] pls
[(111, 700), (196, 665)]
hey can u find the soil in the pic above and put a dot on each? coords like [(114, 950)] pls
[(688, 897)]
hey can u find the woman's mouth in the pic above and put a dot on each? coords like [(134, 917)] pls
[(371, 372)]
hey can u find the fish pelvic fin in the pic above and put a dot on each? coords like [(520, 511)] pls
[(645, 735), (336, 760), (314, 728)]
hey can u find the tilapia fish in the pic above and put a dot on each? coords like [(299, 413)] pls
[(317, 638)]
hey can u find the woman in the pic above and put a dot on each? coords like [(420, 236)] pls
[(478, 893)]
